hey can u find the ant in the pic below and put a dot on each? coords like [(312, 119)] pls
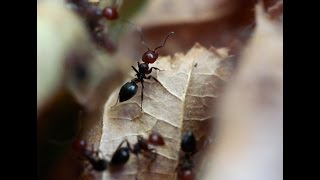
[(92, 11), (189, 147), (98, 163), (129, 89), (144, 145), (92, 14)]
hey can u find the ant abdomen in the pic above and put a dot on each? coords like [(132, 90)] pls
[(188, 143), (120, 157), (100, 165), (127, 91)]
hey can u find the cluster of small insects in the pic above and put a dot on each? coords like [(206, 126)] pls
[(121, 156), (92, 16), (144, 146), (129, 89)]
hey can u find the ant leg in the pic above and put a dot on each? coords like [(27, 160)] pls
[(128, 145), (135, 69), (87, 167), (153, 78), (176, 169), (141, 94), (150, 70), (138, 164), (153, 157), (96, 153), (80, 158), (154, 154)]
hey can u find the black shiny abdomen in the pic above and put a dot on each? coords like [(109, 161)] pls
[(100, 165), (188, 143), (127, 91), (120, 157)]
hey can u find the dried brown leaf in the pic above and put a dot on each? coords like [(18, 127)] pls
[(190, 85)]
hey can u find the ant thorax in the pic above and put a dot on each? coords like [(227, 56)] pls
[(143, 68)]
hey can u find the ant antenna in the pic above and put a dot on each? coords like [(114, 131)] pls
[(142, 41), (58, 142), (140, 32), (164, 41)]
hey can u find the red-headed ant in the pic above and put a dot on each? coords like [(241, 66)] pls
[(97, 160), (129, 89), (189, 147), (121, 155), (145, 145), (92, 14)]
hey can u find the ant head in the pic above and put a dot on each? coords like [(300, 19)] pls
[(110, 13), (186, 174), (79, 145), (185, 170), (150, 56), (156, 139)]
